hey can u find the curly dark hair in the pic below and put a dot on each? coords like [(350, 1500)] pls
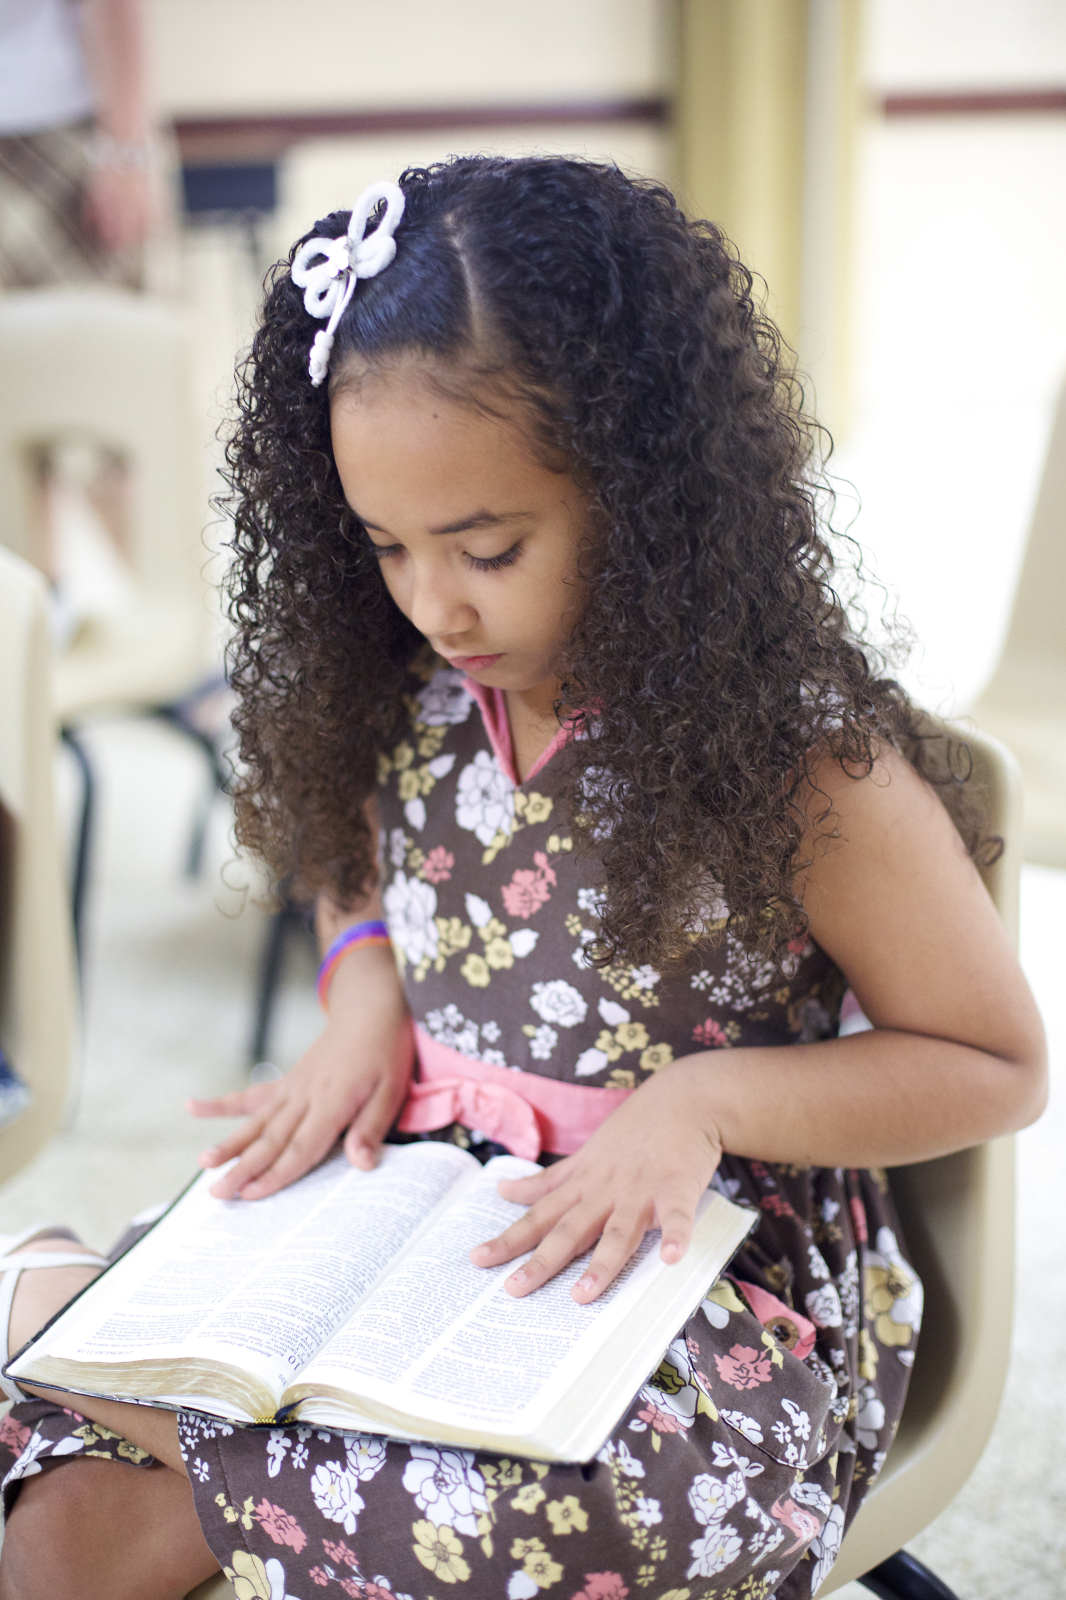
[(714, 648)]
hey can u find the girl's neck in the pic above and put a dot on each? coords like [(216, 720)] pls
[(533, 724)]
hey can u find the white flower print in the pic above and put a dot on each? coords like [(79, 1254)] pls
[(543, 1042), (745, 980), (415, 813), (490, 1031), (710, 1497), (410, 906), (440, 766), (870, 1418), (809, 1494), (300, 1456), (729, 1457), (816, 1262), (447, 1486), (825, 1547), (201, 1470), (701, 980), (365, 1454), (453, 1029), (829, 1209), (523, 941), (493, 1058), (906, 1308), (484, 801), (644, 977), (628, 1462), (718, 1549), (520, 1586), (737, 1419), (397, 846), (445, 700), (579, 957), (612, 1013), (848, 1289), (479, 911), (823, 1306), (335, 1493), (278, 1443), (558, 1001), (591, 900), (647, 1512), (590, 1061), (27, 1463)]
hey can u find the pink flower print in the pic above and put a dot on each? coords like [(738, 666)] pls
[(711, 1035), (743, 1367), (528, 888), (602, 1586), (662, 1421), (797, 1519), (777, 1204), (316, 1575), (14, 1436), (375, 1591), (351, 1586), (858, 1219), (437, 867), (800, 945), (342, 1554), (281, 1526)]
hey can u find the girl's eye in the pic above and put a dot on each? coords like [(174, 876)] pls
[(382, 551), (494, 563)]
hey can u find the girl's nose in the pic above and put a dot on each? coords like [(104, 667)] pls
[(437, 608)]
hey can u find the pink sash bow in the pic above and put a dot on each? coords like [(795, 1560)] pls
[(521, 1110)]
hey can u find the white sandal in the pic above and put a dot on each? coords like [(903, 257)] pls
[(12, 1266)]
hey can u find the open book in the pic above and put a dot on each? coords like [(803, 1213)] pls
[(348, 1300)]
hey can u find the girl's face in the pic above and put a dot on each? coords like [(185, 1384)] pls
[(478, 542)]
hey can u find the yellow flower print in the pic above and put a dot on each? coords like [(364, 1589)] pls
[(521, 1548), (723, 1294), (430, 741), (248, 1577), (632, 1035), (566, 1514), (415, 858), (452, 935), (475, 969), (132, 1452), (504, 1473), (498, 954), (656, 1056), (556, 844), (572, 923), (868, 1356), (528, 1499), (384, 768), (440, 1551), (402, 757), (493, 929), (608, 1044), (542, 1569), (622, 1078), (884, 1286), (541, 1468), (676, 1594), (408, 786), (538, 808)]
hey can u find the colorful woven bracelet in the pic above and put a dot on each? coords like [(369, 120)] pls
[(359, 933)]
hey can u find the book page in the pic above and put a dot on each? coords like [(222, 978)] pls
[(258, 1284), (441, 1339)]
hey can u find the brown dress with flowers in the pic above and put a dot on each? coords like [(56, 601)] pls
[(739, 1464)]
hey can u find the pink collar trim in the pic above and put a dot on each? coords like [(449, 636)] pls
[(492, 703)]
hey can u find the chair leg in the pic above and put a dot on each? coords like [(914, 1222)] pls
[(904, 1577), (288, 917), (177, 716), (84, 840)]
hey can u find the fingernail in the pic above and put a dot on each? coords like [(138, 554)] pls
[(585, 1284), (481, 1250), (518, 1277)]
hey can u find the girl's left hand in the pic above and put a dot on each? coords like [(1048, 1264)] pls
[(645, 1167)]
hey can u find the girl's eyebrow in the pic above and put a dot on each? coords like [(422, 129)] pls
[(480, 519)]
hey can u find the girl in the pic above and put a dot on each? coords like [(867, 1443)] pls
[(539, 663)]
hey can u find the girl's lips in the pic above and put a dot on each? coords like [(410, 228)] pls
[(474, 663)]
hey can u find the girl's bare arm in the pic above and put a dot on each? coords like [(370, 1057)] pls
[(957, 1055)]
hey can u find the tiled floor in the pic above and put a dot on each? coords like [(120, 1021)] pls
[(168, 1012)]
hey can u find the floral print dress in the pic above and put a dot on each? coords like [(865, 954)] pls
[(739, 1464)]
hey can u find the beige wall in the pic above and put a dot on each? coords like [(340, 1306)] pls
[(219, 57)]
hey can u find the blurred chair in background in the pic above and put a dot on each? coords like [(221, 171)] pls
[(958, 1219), (90, 375), (36, 952), (1025, 702)]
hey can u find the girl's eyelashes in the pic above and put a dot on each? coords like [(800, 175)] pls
[(383, 550), (494, 563)]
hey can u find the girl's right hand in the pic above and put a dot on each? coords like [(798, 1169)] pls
[(353, 1080)]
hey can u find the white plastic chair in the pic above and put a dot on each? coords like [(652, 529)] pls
[(36, 951)]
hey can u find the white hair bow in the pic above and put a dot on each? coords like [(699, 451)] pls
[(328, 269)]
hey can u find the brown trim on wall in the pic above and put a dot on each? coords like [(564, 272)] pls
[(264, 138), (990, 102)]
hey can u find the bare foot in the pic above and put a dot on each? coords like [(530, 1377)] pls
[(44, 1291)]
